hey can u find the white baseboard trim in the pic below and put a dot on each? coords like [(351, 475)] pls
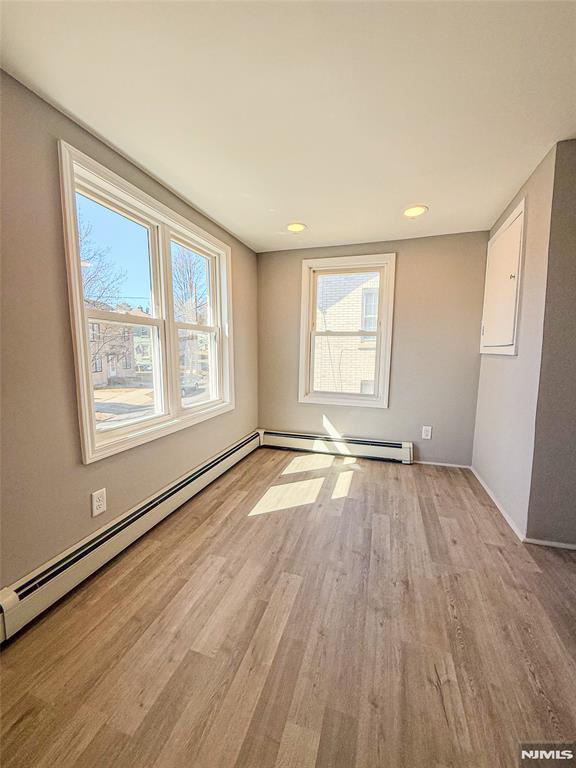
[(443, 464), (544, 543), (523, 538), (31, 595), (499, 507), (339, 446)]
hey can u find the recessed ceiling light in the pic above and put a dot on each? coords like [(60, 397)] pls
[(295, 226), (415, 210)]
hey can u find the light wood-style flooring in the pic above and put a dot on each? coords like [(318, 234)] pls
[(305, 611)]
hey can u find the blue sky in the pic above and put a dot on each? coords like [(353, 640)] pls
[(127, 245)]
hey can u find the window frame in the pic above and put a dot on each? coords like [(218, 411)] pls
[(385, 263), (80, 173)]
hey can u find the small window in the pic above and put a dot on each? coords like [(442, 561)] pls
[(151, 310), (346, 330), (97, 364)]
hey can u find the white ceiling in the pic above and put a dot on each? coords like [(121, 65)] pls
[(338, 114)]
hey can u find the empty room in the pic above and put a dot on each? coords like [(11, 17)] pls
[(288, 335)]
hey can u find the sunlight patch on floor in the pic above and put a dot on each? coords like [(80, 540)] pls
[(288, 495), (342, 485), (309, 463)]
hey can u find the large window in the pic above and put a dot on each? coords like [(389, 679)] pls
[(346, 332), (151, 310)]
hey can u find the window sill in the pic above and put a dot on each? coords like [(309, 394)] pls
[(108, 444), (358, 401)]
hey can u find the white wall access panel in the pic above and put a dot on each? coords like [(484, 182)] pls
[(502, 287)]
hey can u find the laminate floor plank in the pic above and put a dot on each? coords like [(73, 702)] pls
[(305, 611)]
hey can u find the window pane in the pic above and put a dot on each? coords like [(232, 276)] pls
[(191, 285), (198, 369), (344, 364), (115, 259), (340, 300), (125, 379)]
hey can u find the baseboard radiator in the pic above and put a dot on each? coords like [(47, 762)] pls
[(30, 596), (347, 446)]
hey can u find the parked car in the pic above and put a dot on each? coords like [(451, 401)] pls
[(191, 384)]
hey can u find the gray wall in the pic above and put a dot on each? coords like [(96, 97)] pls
[(552, 509), (46, 488), (508, 388), (435, 361)]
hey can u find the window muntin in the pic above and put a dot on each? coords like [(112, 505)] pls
[(346, 330), (124, 249)]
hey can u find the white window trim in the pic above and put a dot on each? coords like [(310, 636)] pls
[(77, 168), (387, 263)]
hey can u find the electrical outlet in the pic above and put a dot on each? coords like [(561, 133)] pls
[(98, 502), (426, 433)]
